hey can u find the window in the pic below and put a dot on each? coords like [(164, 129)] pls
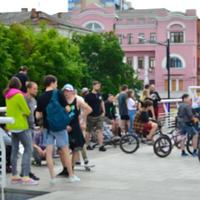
[(166, 85), (152, 62), (130, 60), (181, 85), (140, 62), (175, 62), (141, 37), (120, 37), (130, 38), (94, 26), (175, 85), (153, 37), (198, 38), (176, 37)]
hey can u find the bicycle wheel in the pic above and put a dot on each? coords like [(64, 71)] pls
[(189, 146), (198, 148), (162, 146), (129, 143)]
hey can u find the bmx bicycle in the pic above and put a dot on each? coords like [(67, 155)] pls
[(130, 142)]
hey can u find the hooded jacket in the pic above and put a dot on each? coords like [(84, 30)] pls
[(18, 109)]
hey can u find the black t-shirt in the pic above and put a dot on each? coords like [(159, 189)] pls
[(94, 101), (110, 110), (43, 101), (23, 78), (144, 117)]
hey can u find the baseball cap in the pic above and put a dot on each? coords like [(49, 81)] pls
[(84, 90), (68, 87)]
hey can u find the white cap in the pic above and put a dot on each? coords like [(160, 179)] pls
[(68, 87)]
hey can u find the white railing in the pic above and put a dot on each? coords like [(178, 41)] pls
[(168, 116), (3, 120)]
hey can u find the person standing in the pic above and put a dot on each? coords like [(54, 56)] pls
[(156, 98), (95, 118), (123, 110), (110, 115), (32, 90), (132, 108), (18, 109), (61, 136), (76, 136), (23, 77)]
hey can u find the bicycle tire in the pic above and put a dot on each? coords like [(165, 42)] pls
[(189, 146), (127, 141), (162, 146)]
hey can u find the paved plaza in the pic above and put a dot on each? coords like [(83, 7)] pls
[(121, 176)]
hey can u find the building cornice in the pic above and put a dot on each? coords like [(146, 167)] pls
[(130, 26), (98, 13)]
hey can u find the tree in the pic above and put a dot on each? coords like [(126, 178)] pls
[(104, 58), (44, 52)]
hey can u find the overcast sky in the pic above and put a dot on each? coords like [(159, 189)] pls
[(54, 6)]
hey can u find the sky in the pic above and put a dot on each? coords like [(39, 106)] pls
[(54, 6)]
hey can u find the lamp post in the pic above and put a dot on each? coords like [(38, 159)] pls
[(168, 68), (167, 45)]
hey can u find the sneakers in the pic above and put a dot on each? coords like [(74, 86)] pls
[(195, 154), (63, 173), (86, 161), (29, 181), (73, 179), (33, 176), (102, 148), (89, 147), (16, 180), (183, 154), (78, 163)]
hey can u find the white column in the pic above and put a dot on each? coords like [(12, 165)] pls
[(146, 70), (177, 85), (135, 63)]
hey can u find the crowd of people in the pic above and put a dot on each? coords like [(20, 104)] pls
[(66, 121)]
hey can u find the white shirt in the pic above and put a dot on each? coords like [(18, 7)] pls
[(131, 104)]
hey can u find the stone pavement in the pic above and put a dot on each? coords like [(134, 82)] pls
[(121, 176)]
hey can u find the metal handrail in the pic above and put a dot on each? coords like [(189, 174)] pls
[(3, 120)]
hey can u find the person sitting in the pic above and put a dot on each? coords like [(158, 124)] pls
[(187, 124), (39, 149), (142, 123)]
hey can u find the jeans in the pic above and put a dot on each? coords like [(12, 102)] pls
[(25, 138), (131, 114)]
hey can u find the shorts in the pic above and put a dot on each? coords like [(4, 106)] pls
[(94, 123), (124, 117), (187, 129), (147, 127), (60, 138)]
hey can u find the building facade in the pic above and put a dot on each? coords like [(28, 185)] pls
[(140, 31), (35, 18)]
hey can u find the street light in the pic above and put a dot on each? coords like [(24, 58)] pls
[(167, 45)]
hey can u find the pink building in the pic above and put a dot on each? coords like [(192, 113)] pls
[(148, 58)]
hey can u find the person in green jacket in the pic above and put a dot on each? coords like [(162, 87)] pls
[(18, 109)]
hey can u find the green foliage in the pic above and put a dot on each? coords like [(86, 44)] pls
[(104, 58), (78, 61), (44, 52)]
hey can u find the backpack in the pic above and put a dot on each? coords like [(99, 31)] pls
[(57, 116)]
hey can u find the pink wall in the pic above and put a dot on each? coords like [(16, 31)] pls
[(187, 50)]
